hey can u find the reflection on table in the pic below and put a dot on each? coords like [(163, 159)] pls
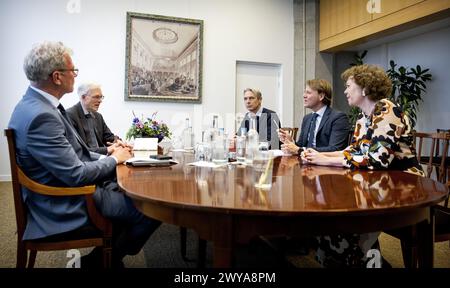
[(306, 200)]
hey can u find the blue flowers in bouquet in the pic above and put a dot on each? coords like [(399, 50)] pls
[(148, 127)]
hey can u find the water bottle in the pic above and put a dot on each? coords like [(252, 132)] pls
[(188, 136), (252, 142), (213, 131)]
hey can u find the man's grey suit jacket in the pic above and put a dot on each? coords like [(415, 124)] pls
[(102, 132), (266, 130), (332, 134), (49, 152)]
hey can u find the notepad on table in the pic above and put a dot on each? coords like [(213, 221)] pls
[(138, 162)]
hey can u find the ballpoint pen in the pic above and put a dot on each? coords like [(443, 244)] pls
[(276, 124)]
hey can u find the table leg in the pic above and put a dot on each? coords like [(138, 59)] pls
[(223, 241), (222, 256), (425, 234)]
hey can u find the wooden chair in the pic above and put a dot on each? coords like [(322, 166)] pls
[(436, 159), (98, 236), (292, 131)]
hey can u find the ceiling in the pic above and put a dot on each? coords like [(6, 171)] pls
[(185, 33)]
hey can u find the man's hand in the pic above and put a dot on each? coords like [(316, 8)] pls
[(118, 143), (284, 136), (289, 147), (122, 154)]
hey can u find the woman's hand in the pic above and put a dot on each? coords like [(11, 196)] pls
[(311, 156)]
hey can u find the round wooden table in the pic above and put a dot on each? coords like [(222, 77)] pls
[(223, 206)]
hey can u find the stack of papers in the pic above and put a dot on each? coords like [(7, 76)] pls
[(280, 153), (137, 161), (207, 164)]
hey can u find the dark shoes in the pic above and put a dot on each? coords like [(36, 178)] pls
[(94, 260)]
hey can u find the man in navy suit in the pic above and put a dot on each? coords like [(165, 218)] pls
[(90, 124), (51, 152), (265, 118), (325, 129)]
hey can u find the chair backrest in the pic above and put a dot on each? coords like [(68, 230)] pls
[(292, 131), (20, 208), (435, 157)]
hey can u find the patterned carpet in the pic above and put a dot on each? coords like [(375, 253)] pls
[(163, 248)]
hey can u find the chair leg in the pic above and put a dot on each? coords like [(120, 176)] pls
[(201, 258), (32, 258), (183, 239), (22, 255), (107, 257)]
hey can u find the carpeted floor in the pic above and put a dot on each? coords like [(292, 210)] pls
[(163, 248)]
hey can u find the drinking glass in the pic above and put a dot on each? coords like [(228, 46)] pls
[(263, 169), (240, 149), (203, 152)]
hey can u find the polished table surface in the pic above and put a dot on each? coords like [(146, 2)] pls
[(222, 205)]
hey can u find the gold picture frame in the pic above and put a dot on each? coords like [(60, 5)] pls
[(163, 58)]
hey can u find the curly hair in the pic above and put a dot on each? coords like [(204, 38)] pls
[(322, 86), (43, 59), (372, 79)]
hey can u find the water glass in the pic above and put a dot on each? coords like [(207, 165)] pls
[(263, 146), (263, 169), (203, 152), (220, 153), (240, 149)]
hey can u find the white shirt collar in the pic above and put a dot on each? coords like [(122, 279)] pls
[(86, 112), (258, 113), (52, 99), (321, 111)]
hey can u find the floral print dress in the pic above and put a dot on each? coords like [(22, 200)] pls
[(382, 140)]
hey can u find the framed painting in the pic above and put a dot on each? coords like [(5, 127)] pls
[(163, 59)]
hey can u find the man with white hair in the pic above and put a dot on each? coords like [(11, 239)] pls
[(50, 152), (90, 124)]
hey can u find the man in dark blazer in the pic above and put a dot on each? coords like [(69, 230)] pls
[(265, 118), (50, 152), (90, 124), (325, 129)]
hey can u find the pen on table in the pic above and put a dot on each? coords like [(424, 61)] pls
[(276, 124)]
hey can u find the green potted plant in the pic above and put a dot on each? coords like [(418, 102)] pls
[(407, 88), (354, 111)]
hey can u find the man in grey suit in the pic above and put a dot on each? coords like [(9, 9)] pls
[(90, 124), (264, 118), (325, 129), (51, 152)]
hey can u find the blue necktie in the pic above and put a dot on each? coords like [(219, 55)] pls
[(312, 128)]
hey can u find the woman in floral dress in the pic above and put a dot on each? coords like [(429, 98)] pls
[(382, 140)]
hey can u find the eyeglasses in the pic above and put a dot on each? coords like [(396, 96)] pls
[(74, 71), (98, 97)]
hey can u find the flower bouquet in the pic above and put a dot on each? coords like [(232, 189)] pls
[(147, 128)]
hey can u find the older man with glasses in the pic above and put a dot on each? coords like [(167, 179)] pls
[(89, 123), (51, 152)]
